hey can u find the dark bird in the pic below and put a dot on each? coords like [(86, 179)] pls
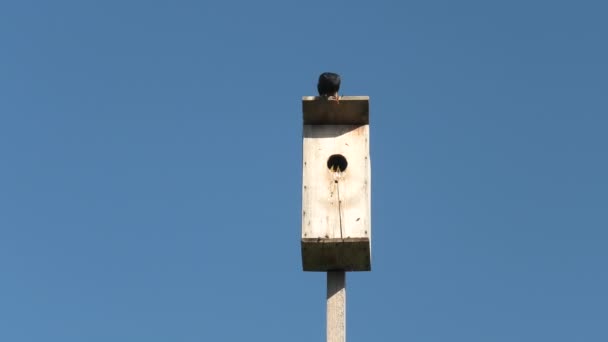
[(329, 85)]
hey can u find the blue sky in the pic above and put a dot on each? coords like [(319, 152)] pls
[(150, 169)]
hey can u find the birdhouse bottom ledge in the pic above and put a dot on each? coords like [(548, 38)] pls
[(349, 254)]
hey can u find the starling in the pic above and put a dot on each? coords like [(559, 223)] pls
[(328, 86)]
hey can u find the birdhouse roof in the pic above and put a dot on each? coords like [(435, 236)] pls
[(350, 110)]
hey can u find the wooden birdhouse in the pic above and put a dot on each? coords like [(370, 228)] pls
[(336, 184)]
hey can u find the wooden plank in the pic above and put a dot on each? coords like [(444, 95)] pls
[(351, 254), (336, 306), (352, 110), (326, 204), (336, 212)]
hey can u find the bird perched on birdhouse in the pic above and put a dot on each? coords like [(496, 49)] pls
[(329, 85)]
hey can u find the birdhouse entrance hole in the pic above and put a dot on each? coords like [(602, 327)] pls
[(337, 163)]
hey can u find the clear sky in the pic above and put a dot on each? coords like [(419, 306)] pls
[(150, 169)]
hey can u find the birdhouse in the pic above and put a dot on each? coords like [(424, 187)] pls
[(336, 184)]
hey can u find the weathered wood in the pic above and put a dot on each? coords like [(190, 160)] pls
[(336, 213), (350, 254), (336, 306), (352, 110)]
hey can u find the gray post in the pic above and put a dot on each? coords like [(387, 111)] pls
[(336, 306)]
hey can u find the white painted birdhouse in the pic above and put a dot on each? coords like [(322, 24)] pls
[(336, 185)]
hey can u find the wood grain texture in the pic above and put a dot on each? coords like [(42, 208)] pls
[(336, 208)]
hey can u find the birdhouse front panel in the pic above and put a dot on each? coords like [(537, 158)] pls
[(336, 210), (336, 182)]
